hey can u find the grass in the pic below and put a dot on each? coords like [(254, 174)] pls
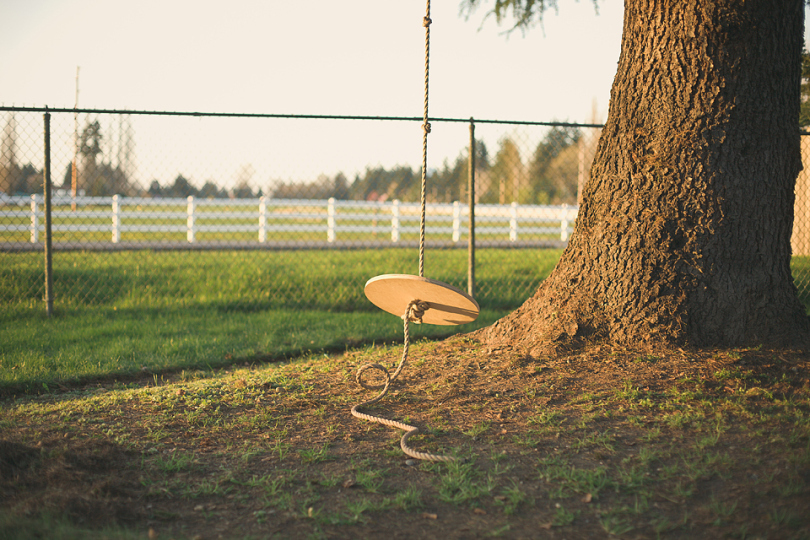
[(57, 528), (199, 431), (257, 280), (118, 314), (38, 354)]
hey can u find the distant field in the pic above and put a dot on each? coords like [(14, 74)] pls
[(306, 279)]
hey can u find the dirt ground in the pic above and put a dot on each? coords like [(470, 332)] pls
[(600, 442)]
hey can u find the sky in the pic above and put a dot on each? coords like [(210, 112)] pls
[(355, 57), (361, 57)]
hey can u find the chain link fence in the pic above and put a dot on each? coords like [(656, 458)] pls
[(260, 211), (155, 209), (800, 240)]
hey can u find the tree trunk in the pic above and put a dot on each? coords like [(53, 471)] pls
[(683, 235)]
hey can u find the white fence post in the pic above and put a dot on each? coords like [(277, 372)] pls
[(513, 224), (34, 219), (330, 220), (190, 219), (263, 219), (564, 224), (116, 219), (395, 221), (456, 221)]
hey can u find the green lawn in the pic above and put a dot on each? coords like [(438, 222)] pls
[(306, 279), (120, 313), (36, 352)]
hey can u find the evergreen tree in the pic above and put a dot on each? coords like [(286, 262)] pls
[(553, 169)]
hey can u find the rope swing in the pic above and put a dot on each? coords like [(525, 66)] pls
[(405, 296)]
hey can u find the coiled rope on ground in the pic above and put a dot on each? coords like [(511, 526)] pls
[(413, 313)]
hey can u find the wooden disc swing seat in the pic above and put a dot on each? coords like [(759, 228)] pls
[(446, 304)]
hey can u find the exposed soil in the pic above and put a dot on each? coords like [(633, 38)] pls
[(603, 441)]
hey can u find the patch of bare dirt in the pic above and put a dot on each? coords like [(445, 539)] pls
[(88, 481)]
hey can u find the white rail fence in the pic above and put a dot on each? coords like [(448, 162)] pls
[(267, 219)]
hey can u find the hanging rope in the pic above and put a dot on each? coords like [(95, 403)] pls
[(414, 313), (425, 130)]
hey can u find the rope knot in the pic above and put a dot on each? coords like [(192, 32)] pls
[(426, 127), (426, 21), (415, 311)]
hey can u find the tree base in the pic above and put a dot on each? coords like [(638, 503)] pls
[(553, 322)]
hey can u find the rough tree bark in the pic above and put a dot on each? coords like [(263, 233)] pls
[(683, 235)]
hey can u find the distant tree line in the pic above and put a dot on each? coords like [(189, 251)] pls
[(16, 178), (549, 176), (94, 176)]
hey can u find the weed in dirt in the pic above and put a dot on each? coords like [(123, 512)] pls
[(722, 510), (371, 480), (784, 517), (500, 464), (462, 482), (794, 486), (563, 517), (408, 500), (511, 498), (614, 523), (173, 462), (357, 508), (546, 418), (314, 455), (602, 440), (663, 524), (477, 429)]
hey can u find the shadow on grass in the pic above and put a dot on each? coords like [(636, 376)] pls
[(107, 346)]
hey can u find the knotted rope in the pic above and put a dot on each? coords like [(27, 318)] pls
[(425, 130), (413, 313)]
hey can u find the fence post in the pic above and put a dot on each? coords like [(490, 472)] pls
[(513, 224), (471, 191), (456, 221), (330, 220), (190, 219), (34, 218), (263, 218), (564, 224), (46, 183), (395, 221), (116, 219)]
